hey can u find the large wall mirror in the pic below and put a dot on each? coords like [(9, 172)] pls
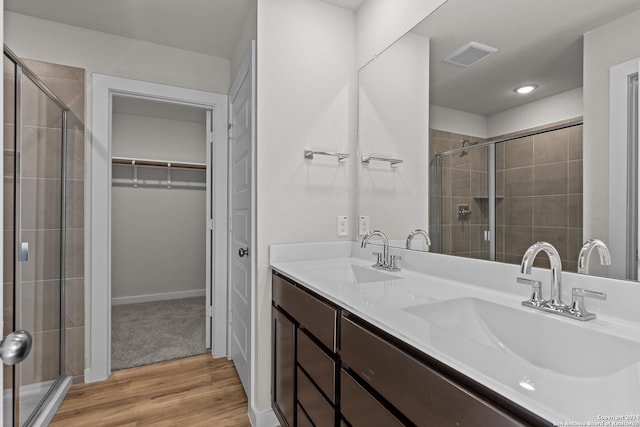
[(446, 143)]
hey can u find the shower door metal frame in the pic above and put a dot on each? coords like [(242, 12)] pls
[(633, 186), (491, 163), (21, 69)]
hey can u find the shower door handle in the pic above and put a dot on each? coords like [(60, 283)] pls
[(243, 252), (15, 347), (24, 251)]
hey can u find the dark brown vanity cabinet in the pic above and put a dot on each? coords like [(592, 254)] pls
[(304, 356), (331, 368), (421, 394)]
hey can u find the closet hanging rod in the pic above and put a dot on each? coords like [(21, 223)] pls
[(365, 160), (308, 154), (157, 163)]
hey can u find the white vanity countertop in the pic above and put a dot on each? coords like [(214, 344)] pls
[(553, 396)]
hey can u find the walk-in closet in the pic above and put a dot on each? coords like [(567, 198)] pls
[(158, 219)]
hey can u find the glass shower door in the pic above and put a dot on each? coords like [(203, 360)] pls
[(463, 196), (37, 244)]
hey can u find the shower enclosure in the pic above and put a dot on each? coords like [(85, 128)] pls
[(35, 132), (493, 199)]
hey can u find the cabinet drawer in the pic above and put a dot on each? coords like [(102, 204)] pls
[(319, 366), (423, 395), (303, 420), (315, 405), (360, 408), (314, 315)]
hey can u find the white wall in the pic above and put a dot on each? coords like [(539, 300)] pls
[(306, 98), (563, 106), (104, 53), (456, 121), (381, 22), (604, 47), (248, 33), (393, 121), (158, 239)]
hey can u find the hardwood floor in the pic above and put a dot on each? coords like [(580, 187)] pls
[(196, 391)]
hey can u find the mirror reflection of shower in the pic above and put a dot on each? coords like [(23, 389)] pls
[(466, 142)]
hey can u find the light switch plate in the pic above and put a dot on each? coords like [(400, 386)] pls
[(343, 225), (363, 225)]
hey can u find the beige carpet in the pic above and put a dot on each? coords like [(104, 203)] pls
[(146, 333)]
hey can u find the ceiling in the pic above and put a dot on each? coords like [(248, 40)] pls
[(538, 42), (205, 26)]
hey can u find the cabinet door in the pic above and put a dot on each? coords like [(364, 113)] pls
[(284, 367), (360, 408)]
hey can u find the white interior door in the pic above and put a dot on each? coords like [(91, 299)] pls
[(636, 129), (241, 136), (209, 290)]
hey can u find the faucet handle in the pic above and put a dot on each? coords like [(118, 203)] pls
[(379, 261), (392, 262), (577, 308), (535, 299)]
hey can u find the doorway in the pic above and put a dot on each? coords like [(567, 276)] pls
[(106, 90), (159, 213)]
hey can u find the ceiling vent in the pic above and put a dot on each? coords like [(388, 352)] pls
[(469, 54)]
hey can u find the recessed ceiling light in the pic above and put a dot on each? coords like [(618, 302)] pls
[(522, 90)]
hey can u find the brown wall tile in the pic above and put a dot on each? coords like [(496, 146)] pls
[(519, 153), (517, 239), (40, 306), (74, 359), (74, 302), (557, 236), (550, 147), (460, 183), (518, 211), (518, 182), (575, 143), (550, 211), (550, 179)]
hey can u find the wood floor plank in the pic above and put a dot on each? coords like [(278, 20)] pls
[(196, 391)]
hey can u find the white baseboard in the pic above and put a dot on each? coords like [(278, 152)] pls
[(157, 297), (265, 418)]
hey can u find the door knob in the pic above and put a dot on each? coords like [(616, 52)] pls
[(243, 252), (15, 347)]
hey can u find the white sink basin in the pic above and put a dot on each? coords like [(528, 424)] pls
[(540, 339), (351, 273)]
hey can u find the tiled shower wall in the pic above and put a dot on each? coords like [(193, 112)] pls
[(538, 195), (68, 84), (540, 178)]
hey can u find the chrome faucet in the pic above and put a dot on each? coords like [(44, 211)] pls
[(384, 262), (585, 254), (555, 305), (556, 268), (416, 232)]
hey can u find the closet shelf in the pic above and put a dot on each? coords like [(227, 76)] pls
[(157, 163)]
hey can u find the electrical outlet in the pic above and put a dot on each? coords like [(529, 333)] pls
[(343, 225), (363, 225)]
